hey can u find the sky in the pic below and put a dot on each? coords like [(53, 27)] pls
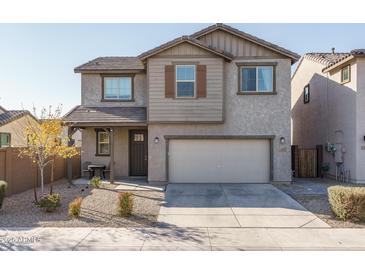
[(37, 60)]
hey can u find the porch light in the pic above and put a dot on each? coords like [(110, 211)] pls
[(156, 140), (282, 140)]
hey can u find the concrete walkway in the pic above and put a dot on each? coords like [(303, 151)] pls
[(233, 206), (181, 239)]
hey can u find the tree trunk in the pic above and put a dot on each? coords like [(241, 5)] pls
[(52, 172), (42, 180)]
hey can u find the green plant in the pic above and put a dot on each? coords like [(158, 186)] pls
[(50, 202), (347, 203), (125, 204), (95, 182), (74, 208), (3, 186)]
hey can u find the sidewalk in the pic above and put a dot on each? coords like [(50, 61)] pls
[(181, 239)]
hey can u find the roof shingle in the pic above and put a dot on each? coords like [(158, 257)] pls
[(326, 58), (12, 115), (84, 114), (111, 64)]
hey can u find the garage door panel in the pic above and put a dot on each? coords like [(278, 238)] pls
[(219, 161)]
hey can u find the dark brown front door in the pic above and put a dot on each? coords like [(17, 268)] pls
[(138, 153)]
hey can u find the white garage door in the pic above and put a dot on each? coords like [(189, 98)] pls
[(219, 161)]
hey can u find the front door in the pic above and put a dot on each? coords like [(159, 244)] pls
[(138, 153)]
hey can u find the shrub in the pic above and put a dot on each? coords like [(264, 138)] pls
[(50, 202), (347, 203), (95, 182), (74, 208), (3, 186), (125, 204)]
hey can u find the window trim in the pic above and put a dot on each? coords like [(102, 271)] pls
[(100, 130), (103, 76), (240, 65), (309, 94), (341, 71), (9, 134), (176, 81)]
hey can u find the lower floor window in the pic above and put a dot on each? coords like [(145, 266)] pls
[(103, 143), (4, 139)]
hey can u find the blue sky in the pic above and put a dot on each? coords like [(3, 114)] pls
[(37, 60)]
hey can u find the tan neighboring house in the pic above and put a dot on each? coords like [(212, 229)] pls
[(328, 111), (12, 126), (213, 106)]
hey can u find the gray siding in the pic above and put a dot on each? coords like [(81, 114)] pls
[(209, 109), (235, 45)]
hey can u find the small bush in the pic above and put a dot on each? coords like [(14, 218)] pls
[(95, 182), (347, 203), (3, 186), (50, 202), (125, 204), (74, 208)]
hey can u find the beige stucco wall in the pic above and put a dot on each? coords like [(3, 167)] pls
[(244, 115), (16, 128), (91, 91), (332, 107), (360, 121), (121, 149)]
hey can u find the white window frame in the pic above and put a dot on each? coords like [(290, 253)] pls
[(176, 81), (349, 74), (117, 78), (103, 143), (257, 79)]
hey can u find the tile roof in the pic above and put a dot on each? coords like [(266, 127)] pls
[(295, 57), (84, 114), (183, 39), (111, 64), (12, 115), (326, 58), (358, 52)]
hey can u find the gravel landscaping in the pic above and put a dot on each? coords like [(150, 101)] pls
[(312, 194), (98, 209)]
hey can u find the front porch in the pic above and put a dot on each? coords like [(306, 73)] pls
[(113, 138)]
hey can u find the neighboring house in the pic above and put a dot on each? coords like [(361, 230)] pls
[(210, 107), (328, 111), (12, 126)]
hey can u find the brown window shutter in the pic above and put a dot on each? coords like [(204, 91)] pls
[(201, 80), (169, 81)]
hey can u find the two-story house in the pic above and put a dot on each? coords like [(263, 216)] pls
[(213, 106), (328, 111)]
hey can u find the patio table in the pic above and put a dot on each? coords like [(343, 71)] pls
[(93, 168)]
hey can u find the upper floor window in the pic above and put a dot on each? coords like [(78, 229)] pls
[(4, 140), (118, 88), (306, 94), (256, 79), (185, 81), (102, 143), (345, 74)]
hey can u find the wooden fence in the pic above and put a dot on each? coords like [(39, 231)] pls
[(21, 174)]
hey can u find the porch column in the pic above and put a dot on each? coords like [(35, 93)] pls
[(70, 142), (112, 155)]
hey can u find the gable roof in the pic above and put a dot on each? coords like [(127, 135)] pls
[(111, 63), (12, 115), (331, 59), (106, 115), (294, 56), (185, 39)]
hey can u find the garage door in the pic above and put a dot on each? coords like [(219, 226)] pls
[(219, 161)]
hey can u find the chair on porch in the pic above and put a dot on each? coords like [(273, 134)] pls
[(85, 169), (106, 171)]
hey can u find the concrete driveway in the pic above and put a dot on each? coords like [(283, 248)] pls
[(233, 205)]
